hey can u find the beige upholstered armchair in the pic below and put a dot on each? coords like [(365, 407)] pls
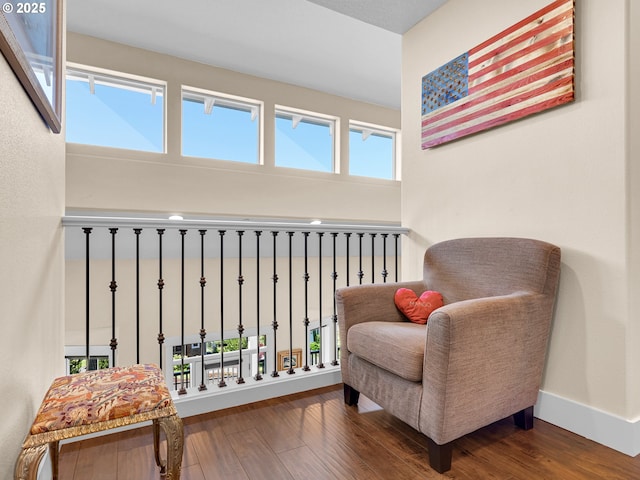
[(479, 358)]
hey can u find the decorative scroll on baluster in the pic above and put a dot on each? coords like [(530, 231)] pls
[(360, 272), (384, 257), (291, 370), (373, 256), (258, 376), (87, 233), (306, 302), (334, 276), (113, 286), (274, 324), (137, 232), (395, 240), (221, 382), (240, 233), (203, 332), (160, 288), (321, 326)]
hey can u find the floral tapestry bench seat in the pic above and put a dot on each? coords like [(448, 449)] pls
[(101, 400)]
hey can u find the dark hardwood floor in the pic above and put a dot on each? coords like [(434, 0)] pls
[(313, 435)]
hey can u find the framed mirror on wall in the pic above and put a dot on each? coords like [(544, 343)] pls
[(31, 41)]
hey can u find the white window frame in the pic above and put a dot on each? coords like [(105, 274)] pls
[(210, 99), (394, 133), (333, 122), (74, 351), (100, 76)]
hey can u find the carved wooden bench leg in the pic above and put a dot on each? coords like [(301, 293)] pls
[(156, 447), (28, 461), (172, 428), (524, 418), (54, 453), (440, 455), (351, 395)]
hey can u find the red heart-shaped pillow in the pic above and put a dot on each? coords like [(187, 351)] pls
[(417, 309)]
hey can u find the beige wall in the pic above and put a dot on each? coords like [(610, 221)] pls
[(102, 178), (31, 259), (567, 176), (633, 239)]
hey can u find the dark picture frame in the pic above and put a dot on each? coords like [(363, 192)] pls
[(31, 41)]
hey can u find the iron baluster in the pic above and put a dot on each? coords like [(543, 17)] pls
[(334, 317), (182, 390), (240, 233), (306, 302), (203, 332), (384, 257), (274, 325), (87, 232), (160, 288), (373, 268), (348, 258), (291, 370), (113, 286), (395, 239), (334, 276), (258, 376), (360, 272), (221, 382), (320, 332), (137, 232)]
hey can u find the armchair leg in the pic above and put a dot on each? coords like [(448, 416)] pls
[(440, 455), (351, 395), (524, 418)]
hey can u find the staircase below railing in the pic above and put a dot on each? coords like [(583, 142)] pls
[(240, 311)]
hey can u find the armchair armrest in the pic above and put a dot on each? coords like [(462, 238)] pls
[(366, 303), (372, 302), (476, 350)]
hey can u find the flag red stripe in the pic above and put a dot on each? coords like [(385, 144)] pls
[(495, 93), (521, 38), (557, 52), (549, 87), (552, 102), (518, 25)]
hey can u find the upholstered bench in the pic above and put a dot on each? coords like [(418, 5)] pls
[(101, 400)]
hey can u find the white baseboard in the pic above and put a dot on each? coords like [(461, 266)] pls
[(601, 427), (216, 398)]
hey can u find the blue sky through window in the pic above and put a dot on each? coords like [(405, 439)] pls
[(114, 117), (371, 157), (224, 134), (308, 146)]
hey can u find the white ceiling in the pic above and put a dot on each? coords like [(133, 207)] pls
[(350, 48)]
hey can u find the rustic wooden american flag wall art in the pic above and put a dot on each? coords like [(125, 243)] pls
[(526, 69)]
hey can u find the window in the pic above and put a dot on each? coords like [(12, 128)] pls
[(371, 151), (79, 364), (305, 140), (220, 127), (114, 111)]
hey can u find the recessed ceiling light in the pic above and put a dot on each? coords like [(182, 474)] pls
[(176, 217), (316, 222)]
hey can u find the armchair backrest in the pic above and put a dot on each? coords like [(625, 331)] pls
[(468, 268)]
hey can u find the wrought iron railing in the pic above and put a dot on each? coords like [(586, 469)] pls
[(193, 288)]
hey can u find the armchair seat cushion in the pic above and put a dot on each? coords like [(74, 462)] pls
[(397, 347)]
